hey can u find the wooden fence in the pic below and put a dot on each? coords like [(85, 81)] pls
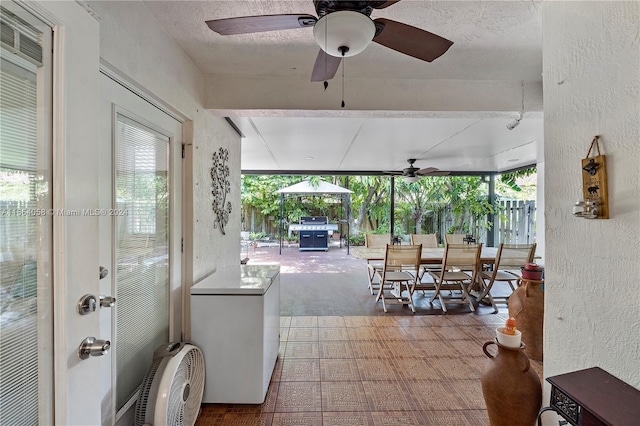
[(514, 223)]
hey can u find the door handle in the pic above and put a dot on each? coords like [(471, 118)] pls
[(87, 304), (107, 301), (93, 347)]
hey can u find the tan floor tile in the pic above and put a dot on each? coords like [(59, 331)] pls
[(431, 395), (477, 417), (284, 334), (457, 368), (247, 419), (303, 334), (346, 419), (410, 321), (332, 370), (368, 349), (354, 321), (304, 321), (335, 349), (331, 322), (470, 393), (433, 349), (421, 333), (438, 320), (385, 321), (333, 333), (445, 417), (392, 334), (285, 321), (400, 349), (301, 350), (343, 396), (299, 397), (452, 333), (467, 348), (387, 396), (297, 419), (411, 369), (362, 333), (277, 370), (300, 370), (397, 418), (376, 369)]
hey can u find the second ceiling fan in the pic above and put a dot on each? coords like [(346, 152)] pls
[(342, 29), (413, 173)]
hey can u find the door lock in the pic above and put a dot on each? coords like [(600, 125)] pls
[(87, 304), (107, 301), (93, 347), (103, 272)]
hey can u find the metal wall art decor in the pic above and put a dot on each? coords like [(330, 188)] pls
[(221, 187), (594, 184)]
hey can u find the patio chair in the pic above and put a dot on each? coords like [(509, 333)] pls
[(429, 241), (375, 241), (509, 259), (398, 275), (454, 238), (457, 259)]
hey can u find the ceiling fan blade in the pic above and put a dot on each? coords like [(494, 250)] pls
[(325, 67), (427, 170), (394, 173), (385, 4), (410, 40), (436, 173), (257, 24)]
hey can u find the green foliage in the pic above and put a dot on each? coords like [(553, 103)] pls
[(356, 240)]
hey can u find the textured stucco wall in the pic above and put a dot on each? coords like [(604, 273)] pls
[(592, 87), (133, 42)]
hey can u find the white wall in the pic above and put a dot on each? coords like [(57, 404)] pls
[(592, 87), (134, 43)]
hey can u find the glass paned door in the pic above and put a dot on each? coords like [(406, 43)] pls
[(142, 251), (25, 220)]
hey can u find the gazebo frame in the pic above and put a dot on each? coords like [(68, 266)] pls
[(324, 188)]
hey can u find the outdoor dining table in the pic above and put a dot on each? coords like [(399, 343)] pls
[(430, 256)]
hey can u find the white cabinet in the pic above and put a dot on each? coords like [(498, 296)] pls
[(235, 321)]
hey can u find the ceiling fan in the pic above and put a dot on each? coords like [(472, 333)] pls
[(342, 29), (412, 174)]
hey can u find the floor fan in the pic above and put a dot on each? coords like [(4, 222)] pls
[(171, 391)]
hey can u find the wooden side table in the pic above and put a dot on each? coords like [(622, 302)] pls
[(593, 397)]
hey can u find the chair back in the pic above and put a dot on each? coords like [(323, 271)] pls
[(513, 256), (454, 238), (427, 240), (402, 258), (464, 257), (376, 240)]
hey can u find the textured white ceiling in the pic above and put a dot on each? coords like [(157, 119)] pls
[(496, 44)]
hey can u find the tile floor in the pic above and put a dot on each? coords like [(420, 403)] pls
[(373, 370)]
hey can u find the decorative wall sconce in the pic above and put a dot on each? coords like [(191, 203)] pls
[(585, 209), (220, 188), (595, 204)]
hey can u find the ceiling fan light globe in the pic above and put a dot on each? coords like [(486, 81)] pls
[(344, 28), (411, 179)]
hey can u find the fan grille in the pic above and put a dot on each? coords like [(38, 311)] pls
[(145, 390), (183, 405)]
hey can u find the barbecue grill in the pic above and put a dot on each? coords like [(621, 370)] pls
[(313, 232)]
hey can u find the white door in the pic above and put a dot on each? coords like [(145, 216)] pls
[(140, 239), (26, 322)]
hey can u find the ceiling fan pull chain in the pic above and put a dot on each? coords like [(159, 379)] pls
[(343, 61), (326, 83)]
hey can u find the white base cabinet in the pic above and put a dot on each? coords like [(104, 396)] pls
[(235, 321)]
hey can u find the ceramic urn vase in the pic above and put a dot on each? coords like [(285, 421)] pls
[(526, 305), (511, 388)]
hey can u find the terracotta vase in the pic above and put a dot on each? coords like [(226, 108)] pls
[(526, 305), (511, 389)]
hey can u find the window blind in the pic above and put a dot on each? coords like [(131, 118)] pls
[(19, 365), (142, 252)]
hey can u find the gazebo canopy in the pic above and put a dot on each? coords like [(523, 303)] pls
[(305, 187)]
